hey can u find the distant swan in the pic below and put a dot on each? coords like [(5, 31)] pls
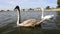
[(47, 17), (30, 22)]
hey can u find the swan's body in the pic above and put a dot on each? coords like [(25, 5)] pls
[(48, 17), (30, 22)]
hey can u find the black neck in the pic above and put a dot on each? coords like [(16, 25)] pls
[(19, 17)]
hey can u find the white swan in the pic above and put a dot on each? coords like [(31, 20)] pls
[(30, 22), (47, 17)]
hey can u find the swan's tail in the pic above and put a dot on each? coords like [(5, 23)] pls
[(40, 22)]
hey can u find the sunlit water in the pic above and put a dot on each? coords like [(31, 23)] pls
[(8, 23)]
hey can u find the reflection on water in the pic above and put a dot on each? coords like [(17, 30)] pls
[(8, 23)]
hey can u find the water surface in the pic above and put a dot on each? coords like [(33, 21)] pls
[(8, 23)]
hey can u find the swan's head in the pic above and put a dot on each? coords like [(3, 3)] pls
[(17, 8)]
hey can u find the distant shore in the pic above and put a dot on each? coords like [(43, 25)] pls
[(57, 9)]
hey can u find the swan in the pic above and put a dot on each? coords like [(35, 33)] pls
[(47, 17), (27, 23), (30, 22)]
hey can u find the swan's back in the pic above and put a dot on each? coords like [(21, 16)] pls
[(29, 22)]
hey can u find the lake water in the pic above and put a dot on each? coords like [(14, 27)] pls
[(8, 23)]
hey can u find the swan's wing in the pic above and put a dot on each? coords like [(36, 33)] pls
[(29, 22), (39, 22)]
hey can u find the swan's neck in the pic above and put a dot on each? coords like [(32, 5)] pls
[(18, 19), (42, 13)]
